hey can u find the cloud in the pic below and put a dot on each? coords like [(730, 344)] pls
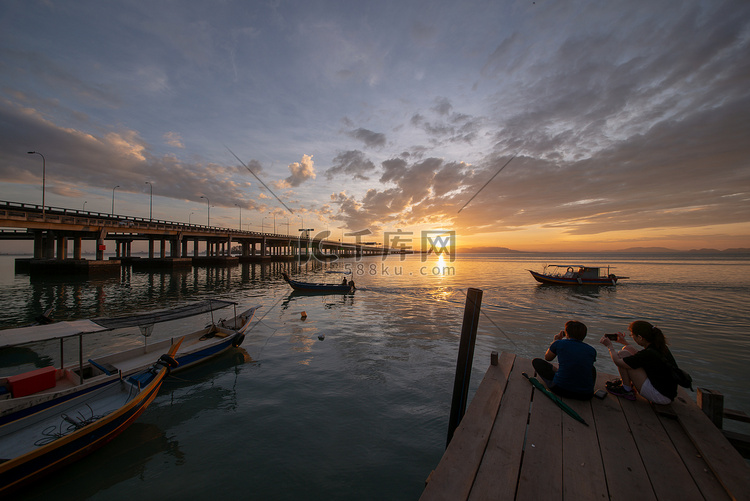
[(369, 138), (352, 163), (173, 139), (76, 160), (300, 172)]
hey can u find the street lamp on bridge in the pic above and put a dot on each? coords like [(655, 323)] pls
[(208, 210), (238, 205), (113, 199), (44, 176), (151, 203)]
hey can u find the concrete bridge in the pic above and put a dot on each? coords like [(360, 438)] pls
[(52, 229)]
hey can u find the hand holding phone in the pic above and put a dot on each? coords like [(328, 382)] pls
[(612, 337)]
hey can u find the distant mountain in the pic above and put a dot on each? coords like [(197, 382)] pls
[(657, 250), (648, 250), (489, 250)]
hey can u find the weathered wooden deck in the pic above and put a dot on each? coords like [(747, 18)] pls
[(515, 443)]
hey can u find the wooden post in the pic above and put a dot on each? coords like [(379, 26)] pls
[(712, 404), (465, 357)]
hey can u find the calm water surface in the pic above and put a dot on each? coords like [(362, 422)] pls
[(353, 401)]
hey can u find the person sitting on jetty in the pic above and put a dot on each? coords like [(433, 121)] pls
[(575, 375), (343, 282), (648, 370)]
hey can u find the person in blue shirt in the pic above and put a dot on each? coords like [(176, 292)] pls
[(575, 375)]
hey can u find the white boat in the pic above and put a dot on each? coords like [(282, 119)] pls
[(46, 440), (31, 392)]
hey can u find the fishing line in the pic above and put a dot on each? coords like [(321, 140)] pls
[(493, 323), (485, 184), (260, 180)]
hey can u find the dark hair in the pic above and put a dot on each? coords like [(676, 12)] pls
[(575, 329), (650, 333)]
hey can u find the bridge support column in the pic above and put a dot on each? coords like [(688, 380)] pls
[(163, 250), (151, 248), (77, 248), (195, 248), (62, 247), (38, 245)]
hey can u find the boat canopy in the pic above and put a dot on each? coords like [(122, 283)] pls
[(61, 330)]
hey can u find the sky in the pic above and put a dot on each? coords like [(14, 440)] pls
[(532, 125)]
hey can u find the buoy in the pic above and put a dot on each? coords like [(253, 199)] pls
[(303, 315), (321, 336)]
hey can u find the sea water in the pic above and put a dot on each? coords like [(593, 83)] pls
[(351, 400)]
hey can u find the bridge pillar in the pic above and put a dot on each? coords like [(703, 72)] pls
[(38, 245), (263, 247), (62, 247), (100, 247), (151, 248), (163, 249), (176, 247), (49, 245), (77, 248), (184, 247), (195, 247)]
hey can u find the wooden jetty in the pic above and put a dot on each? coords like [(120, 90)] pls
[(514, 443)]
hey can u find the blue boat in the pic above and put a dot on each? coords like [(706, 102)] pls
[(318, 287), (563, 274)]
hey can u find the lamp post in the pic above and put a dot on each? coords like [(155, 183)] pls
[(151, 203), (208, 209), (287, 226), (83, 209), (190, 217), (238, 205), (44, 176), (262, 224), (113, 199), (274, 223)]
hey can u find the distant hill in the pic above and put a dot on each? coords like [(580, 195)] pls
[(657, 250), (489, 250), (630, 250)]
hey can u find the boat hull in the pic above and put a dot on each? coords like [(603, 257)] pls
[(113, 408), (193, 350), (314, 288), (558, 280)]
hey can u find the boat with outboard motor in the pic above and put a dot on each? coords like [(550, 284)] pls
[(37, 444), (30, 392), (320, 288), (563, 274)]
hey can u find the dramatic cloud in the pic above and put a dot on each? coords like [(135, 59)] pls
[(352, 163), (300, 172), (369, 138)]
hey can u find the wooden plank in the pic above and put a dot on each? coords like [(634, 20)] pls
[(702, 475), (623, 468), (670, 478), (541, 467), (723, 459), (583, 471), (498, 474), (454, 475)]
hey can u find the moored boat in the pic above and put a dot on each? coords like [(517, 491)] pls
[(563, 274), (31, 392), (319, 287), (39, 443)]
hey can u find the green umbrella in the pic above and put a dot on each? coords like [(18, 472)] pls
[(554, 398)]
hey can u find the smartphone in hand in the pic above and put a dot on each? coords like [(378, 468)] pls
[(613, 337)]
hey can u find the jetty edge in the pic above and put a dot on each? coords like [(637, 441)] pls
[(514, 443)]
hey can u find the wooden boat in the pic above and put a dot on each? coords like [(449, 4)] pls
[(37, 444), (31, 392), (318, 287), (562, 274)]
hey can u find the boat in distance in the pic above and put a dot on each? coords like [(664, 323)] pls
[(49, 439), (30, 392), (563, 274), (319, 287)]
